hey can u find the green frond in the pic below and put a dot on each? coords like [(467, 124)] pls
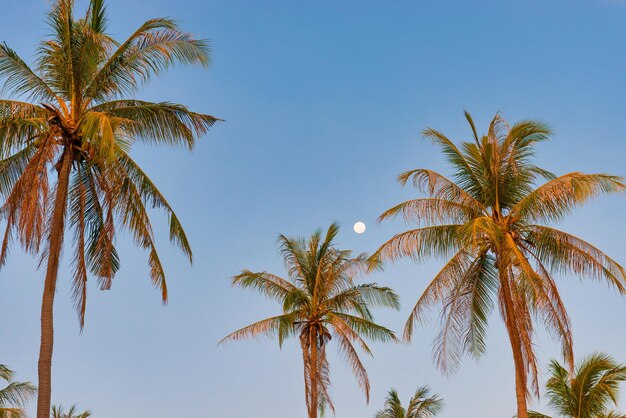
[(151, 195), (472, 125), (266, 283), (77, 208), (97, 16), (157, 274), (157, 123), (437, 241), (346, 349), (59, 412), (374, 295), (480, 231), (14, 396), (56, 56), (466, 177), (339, 326), (19, 79), (466, 306), (101, 133), (12, 168), (393, 406), (534, 414), (101, 256), (21, 125), (6, 373), (268, 326), (545, 300), (367, 328), (423, 404), (430, 211), (294, 257), (481, 293), (297, 300), (438, 288), (155, 47), (558, 197), (437, 186), (130, 208), (565, 253), (17, 394)]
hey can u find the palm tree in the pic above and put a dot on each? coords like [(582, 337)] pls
[(14, 397), (77, 116), (320, 301), (489, 222), (586, 393), (58, 412), (421, 405)]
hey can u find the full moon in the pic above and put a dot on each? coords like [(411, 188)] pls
[(359, 227)]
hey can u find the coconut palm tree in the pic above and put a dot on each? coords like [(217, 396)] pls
[(75, 113), (58, 412), (320, 301), (421, 405), (489, 222), (14, 397), (588, 392)]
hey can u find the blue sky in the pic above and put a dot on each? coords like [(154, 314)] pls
[(324, 103)]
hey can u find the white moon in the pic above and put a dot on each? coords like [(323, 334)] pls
[(359, 227)]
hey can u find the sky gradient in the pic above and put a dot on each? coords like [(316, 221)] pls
[(323, 104)]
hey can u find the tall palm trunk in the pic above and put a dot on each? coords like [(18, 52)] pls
[(308, 342), (55, 242), (520, 386), (314, 374), (518, 359)]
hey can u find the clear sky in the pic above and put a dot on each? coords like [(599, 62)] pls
[(324, 103)]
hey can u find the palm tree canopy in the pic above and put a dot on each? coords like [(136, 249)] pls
[(320, 294), (589, 392), (489, 221), (58, 412), (78, 104), (421, 405), (15, 396)]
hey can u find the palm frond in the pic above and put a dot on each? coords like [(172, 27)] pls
[(430, 211), (437, 241), (20, 80), (565, 253), (347, 350), (268, 326), (270, 285), (154, 47), (423, 404), (21, 126), (437, 186), (157, 123), (558, 197), (14, 396), (151, 195)]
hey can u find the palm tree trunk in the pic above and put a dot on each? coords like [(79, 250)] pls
[(55, 242), (314, 371), (518, 359), (520, 387)]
